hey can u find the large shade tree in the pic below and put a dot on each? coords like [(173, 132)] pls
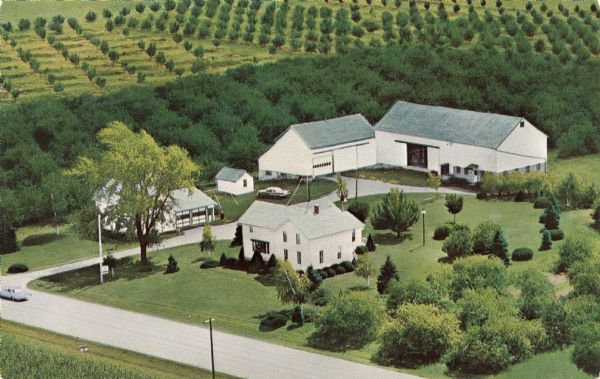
[(136, 177), (396, 212)]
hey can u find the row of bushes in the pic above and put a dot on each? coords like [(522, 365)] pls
[(336, 269)]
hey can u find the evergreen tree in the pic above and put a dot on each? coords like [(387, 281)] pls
[(241, 258), (551, 215), (237, 238), (396, 212), (500, 247), (8, 239), (388, 272), (257, 263), (222, 259), (272, 263), (171, 265), (370, 244), (314, 276), (546, 240)]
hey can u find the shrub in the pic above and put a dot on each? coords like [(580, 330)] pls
[(483, 237), (24, 24), (348, 266), (318, 297), (40, 239), (230, 263), (324, 273), (339, 269), (541, 202), (222, 259), (171, 265), (361, 315), (16, 268), (361, 249), (442, 232), (557, 234), (90, 16), (256, 264), (330, 272), (571, 251), (421, 334), (522, 254), (414, 291), (272, 322), (586, 352), (520, 197), (458, 244), (209, 264), (360, 210)]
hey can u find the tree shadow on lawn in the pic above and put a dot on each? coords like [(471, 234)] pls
[(391, 238), (41, 239), (83, 278)]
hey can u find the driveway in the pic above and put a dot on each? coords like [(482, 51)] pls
[(368, 187), (172, 340)]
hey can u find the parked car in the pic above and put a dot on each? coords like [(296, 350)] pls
[(273, 193), (15, 293)]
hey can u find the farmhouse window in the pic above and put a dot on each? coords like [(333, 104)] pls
[(285, 254), (245, 183), (284, 236), (260, 246), (353, 235), (299, 256), (297, 239), (321, 256), (339, 251)]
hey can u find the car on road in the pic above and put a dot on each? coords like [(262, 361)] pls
[(15, 293), (273, 193)]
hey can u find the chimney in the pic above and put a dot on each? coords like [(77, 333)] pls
[(316, 208)]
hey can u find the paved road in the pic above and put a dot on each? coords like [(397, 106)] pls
[(373, 187), (184, 343)]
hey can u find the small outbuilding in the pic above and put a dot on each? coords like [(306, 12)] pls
[(234, 181)]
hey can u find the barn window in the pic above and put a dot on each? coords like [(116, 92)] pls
[(457, 170), (297, 239), (321, 256), (339, 251), (527, 168), (353, 235), (251, 228), (538, 167), (245, 182), (284, 236), (285, 254), (299, 257)]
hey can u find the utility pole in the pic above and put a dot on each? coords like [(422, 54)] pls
[(212, 354), (356, 176), (423, 213), (100, 246)]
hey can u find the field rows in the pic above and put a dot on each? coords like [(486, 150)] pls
[(227, 41)]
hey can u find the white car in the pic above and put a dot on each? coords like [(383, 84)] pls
[(15, 293), (274, 193)]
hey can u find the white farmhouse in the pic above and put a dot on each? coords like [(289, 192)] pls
[(184, 210), (316, 233), (458, 143), (234, 181), (320, 148)]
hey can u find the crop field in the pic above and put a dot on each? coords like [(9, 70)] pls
[(67, 48)]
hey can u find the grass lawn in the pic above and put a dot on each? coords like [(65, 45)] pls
[(30, 352), (395, 175), (553, 365), (237, 299), (54, 249), (586, 167), (235, 206)]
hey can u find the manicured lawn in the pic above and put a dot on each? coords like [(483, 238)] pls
[(586, 167), (30, 352), (55, 249), (394, 176), (553, 365)]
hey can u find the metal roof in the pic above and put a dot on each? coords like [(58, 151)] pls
[(184, 199), (448, 124), (330, 220), (229, 174), (335, 131)]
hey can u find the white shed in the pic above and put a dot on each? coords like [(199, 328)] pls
[(320, 148), (234, 181), (314, 234), (458, 143)]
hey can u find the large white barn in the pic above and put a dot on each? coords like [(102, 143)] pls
[(320, 148), (458, 143), (316, 233)]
